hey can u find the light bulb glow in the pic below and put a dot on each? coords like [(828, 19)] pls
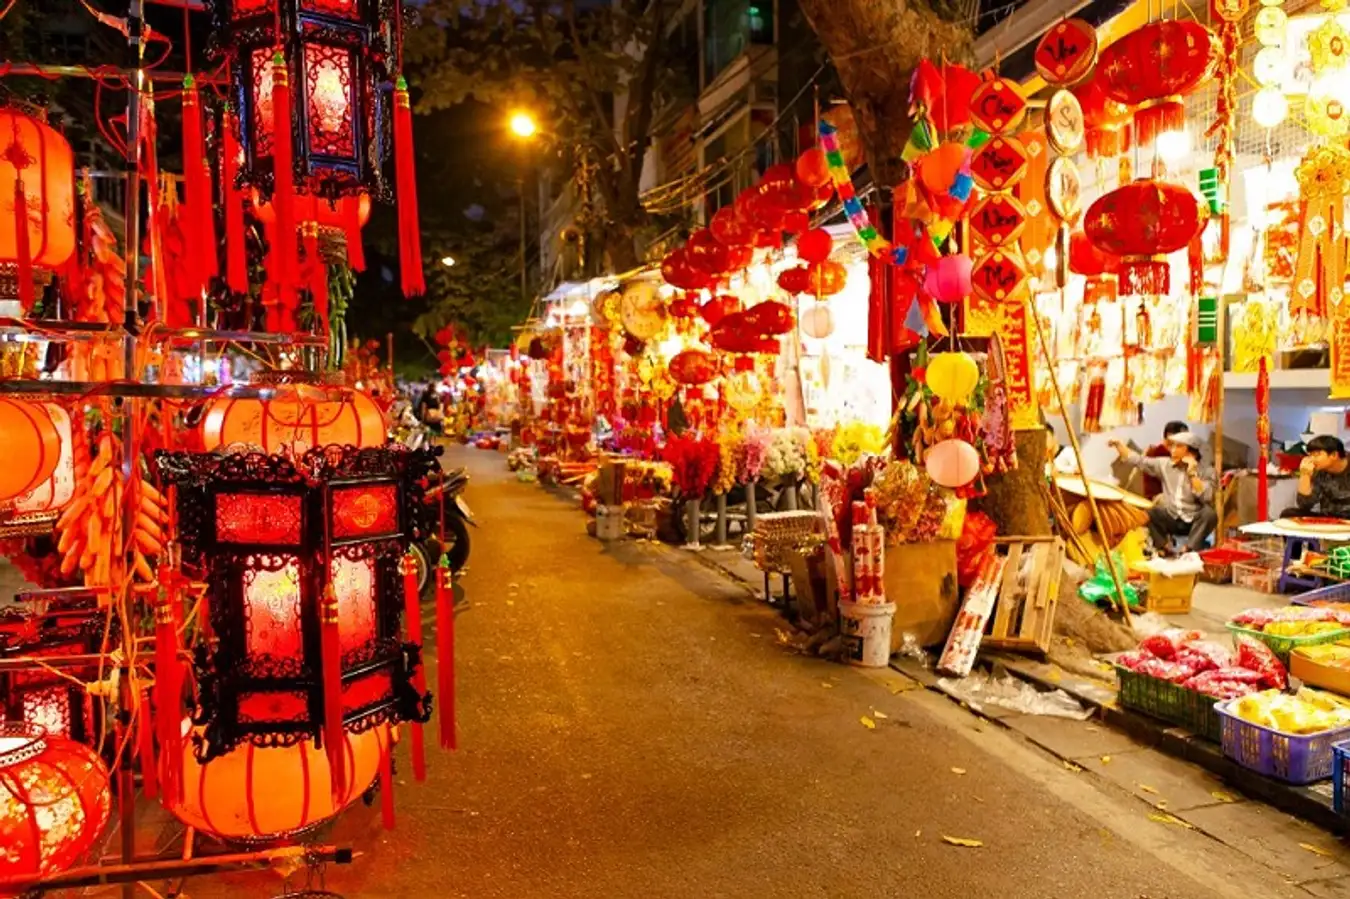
[(1269, 107), (522, 125), (1173, 146)]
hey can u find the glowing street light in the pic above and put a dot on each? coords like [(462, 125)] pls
[(523, 125), (448, 261)]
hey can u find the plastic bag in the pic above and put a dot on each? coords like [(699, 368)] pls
[(1100, 590), (1175, 672), (1206, 654), (1167, 644), (977, 535), (1257, 656), (1134, 658), (1217, 675)]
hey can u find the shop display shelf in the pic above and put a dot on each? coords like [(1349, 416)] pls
[(1168, 702), (1292, 758)]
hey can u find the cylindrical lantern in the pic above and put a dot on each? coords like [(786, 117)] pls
[(952, 463), (33, 446), (256, 794), (1153, 68), (294, 423), (1104, 119), (1143, 222), (53, 492), (37, 169), (54, 801)]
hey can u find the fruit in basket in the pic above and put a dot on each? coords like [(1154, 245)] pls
[(1301, 628), (1334, 654), (1307, 712)]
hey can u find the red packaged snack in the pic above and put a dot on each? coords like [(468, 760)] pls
[(1174, 672), (1134, 658), (1165, 644), (1257, 656), (1215, 654), (1240, 675)]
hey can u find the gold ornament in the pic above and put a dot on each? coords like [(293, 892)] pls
[(1328, 45)]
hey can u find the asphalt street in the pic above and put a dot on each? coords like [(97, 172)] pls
[(631, 725)]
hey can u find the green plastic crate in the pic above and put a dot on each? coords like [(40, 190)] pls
[(1283, 646), (1169, 702)]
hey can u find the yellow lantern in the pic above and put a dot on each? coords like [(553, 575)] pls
[(953, 377)]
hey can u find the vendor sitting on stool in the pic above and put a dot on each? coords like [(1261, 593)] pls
[(1186, 505), (1323, 480)]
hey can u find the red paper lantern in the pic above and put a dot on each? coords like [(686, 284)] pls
[(265, 794), (795, 280), (770, 317), (1103, 118), (1154, 67), (679, 271), (813, 169), (38, 168), (825, 279), (691, 368), (54, 801), (715, 310), (1143, 222), (683, 307), (294, 421), (32, 446), (1085, 259), (815, 245), (730, 230)]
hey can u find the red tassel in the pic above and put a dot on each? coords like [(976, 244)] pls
[(330, 651), (283, 263), (318, 274), (387, 781), (24, 253), (236, 252), (405, 178), (201, 246), (445, 656), (146, 749), (169, 686), (356, 253), (412, 611)]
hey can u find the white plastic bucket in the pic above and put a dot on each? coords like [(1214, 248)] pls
[(609, 522), (866, 630)]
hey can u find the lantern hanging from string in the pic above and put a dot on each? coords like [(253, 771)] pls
[(306, 594), (1104, 119), (1153, 68), (1142, 222), (296, 419), (54, 801), (43, 697), (52, 493), (37, 203)]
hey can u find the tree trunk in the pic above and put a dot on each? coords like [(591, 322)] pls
[(1016, 501), (620, 249), (875, 48)]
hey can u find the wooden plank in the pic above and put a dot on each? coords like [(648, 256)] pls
[(1003, 609)]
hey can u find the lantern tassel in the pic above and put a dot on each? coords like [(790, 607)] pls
[(387, 780), (236, 250), (318, 274), (445, 654), (356, 253), (23, 251), (282, 258), (201, 244), (169, 686), (331, 652), (412, 611), (146, 749), (405, 178)]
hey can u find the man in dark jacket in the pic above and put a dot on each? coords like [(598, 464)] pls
[(1324, 480)]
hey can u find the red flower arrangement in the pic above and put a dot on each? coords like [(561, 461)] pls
[(693, 461)]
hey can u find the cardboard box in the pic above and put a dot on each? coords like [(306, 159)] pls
[(920, 578), (1170, 595)]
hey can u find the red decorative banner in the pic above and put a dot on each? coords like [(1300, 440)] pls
[(998, 276), (999, 164), (998, 220), (1067, 52), (997, 107), (1011, 321)]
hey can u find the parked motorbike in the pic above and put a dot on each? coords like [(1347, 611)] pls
[(427, 553)]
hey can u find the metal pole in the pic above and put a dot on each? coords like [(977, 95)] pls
[(524, 275)]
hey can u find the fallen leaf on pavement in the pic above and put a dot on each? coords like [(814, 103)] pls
[(962, 841), (868, 723), (827, 685), (1147, 789), (1072, 767), (1164, 818), (1106, 760), (1223, 797), (882, 715), (958, 770), (917, 834), (1317, 850)]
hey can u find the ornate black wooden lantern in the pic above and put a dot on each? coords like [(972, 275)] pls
[(45, 696), (302, 562)]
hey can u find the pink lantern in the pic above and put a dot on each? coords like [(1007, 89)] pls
[(948, 279), (818, 322), (952, 463)]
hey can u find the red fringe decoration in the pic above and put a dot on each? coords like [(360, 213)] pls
[(330, 652), (27, 296), (146, 749), (1145, 276), (412, 611), (387, 781), (236, 251), (318, 273), (169, 686), (282, 259), (445, 656), (201, 245), (356, 253), (405, 182), (1163, 116)]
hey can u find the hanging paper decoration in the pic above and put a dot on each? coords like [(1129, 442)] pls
[(1154, 67), (1067, 52), (37, 204), (1142, 222), (857, 216)]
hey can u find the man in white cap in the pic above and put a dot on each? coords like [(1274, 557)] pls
[(1186, 505)]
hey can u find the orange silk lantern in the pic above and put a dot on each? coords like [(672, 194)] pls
[(32, 446), (1143, 222), (293, 422), (825, 279), (691, 368), (54, 801), (815, 245), (813, 169), (1103, 118), (1153, 68), (37, 188), (254, 793), (53, 492)]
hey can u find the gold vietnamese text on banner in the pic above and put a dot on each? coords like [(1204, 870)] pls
[(1011, 321)]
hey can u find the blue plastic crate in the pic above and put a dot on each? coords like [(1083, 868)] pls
[(1293, 758), (1340, 766), (1329, 593)]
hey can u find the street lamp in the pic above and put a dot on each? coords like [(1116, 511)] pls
[(448, 261), (523, 125)]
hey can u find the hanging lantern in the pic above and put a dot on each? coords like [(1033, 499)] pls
[(294, 421), (54, 801), (769, 317), (952, 377), (795, 280), (42, 697), (32, 446), (37, 186), (272, 793), (948, 279), (818, 322), (952, 463), (1142, 222), (302, 558), (815, 246), (53, 492), (1153, 68), (691, 368), (1104, 119), (342, 217), (825, 279)]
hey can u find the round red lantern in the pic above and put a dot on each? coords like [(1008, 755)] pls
[(1103, 118), (265, 794), (815, 245), (37, 166), (691, 368), (795, 280), (769, 317), (295, 420), (729, 229), (1153, 68), (54, 801), (32, 446), (714, 310), (1143, 222), (826, 279), (1085, 259), (813, 169), (679, 271)]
